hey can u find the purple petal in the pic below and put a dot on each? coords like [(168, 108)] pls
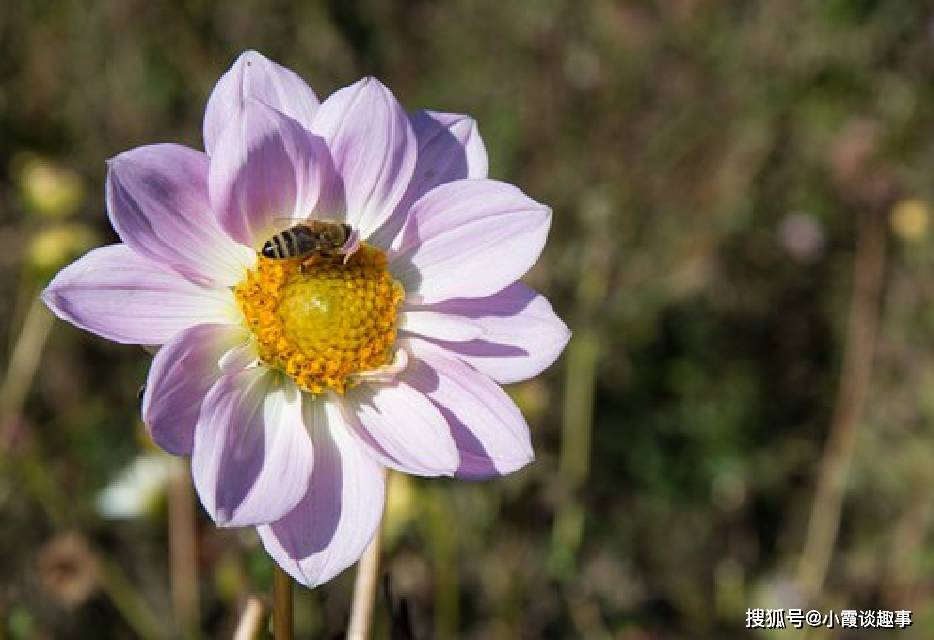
[(266, 169), (182, 373), (119, 295), (469, 239), (336, 519), (402, 429), (252, 456), (520, 334), (449, 148), (373, 147), (492, 436), (255, 76), (157, 199)]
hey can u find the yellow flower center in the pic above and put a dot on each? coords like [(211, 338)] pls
[(324, 321)]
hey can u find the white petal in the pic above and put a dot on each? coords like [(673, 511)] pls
[(402, 428), (267, 169), (520, 337), (157, 199), (468, 239), (373, 148), (442, 326), (254, 76), (491, 434), (252, 456), (182, 373), (119, 295), (336, 519)]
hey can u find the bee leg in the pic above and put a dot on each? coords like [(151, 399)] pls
[(308, 263)]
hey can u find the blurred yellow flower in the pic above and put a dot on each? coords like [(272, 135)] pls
[(910, 219), (531, 397), (55, 246), (49, 189)]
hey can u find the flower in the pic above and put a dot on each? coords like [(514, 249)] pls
[(293, 384), (139, 487), (48, 190)]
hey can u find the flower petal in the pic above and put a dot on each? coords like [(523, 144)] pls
[(439, 325), (401, 428), (520, 334), (157, 200), (266, 168), (491, 434), (449, 148), (339, 514), (119, 295), (487, 229), (252, 456), (255, 76), (373, 147), (182, 373)]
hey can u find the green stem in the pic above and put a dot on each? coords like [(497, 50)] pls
[(282, 623), (128, 601), (582, 357), (183, 554), (443, 543), (855, 375)]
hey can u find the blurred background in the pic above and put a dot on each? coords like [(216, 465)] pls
[(742, 245)]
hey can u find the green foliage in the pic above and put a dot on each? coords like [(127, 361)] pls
[(706, 162)]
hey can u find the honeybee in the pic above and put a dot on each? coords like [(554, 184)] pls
[(307, 240)]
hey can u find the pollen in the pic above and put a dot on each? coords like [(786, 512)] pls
[(323, 321)]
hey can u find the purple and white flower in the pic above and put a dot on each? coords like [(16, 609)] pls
[(284, 385)]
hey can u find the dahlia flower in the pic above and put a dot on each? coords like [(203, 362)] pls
[(294, 383)]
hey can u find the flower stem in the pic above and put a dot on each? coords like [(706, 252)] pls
[(24, 362), (582, 359), (442, 542), (128, 601), (183, 553), (855, 375), (281, 605), (364, 590)]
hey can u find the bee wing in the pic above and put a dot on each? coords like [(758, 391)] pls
[(281, 224), (336, 219)]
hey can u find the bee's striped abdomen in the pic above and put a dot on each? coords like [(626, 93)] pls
[(288, 244), (276, 246)]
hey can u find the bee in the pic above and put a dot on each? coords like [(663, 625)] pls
[(307, 241)]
